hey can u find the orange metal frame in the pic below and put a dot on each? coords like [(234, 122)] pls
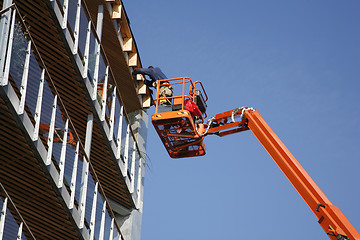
[(174, 83), (44, 130), (177, 129)]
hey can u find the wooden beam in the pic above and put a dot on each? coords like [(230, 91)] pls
[(116, 11), (146, 101), (128, 44), (142, 88), (133, 59)]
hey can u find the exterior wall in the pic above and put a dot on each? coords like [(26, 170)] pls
[(96, 174)]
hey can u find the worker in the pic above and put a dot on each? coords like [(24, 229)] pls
[(154, 73), (100, 90)]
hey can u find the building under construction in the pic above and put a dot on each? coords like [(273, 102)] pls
[(73, 125), (73, 121)]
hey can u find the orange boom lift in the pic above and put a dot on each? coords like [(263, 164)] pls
[(180, 122)]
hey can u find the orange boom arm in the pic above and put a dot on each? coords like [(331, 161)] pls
[(331, 219), (182, 131)]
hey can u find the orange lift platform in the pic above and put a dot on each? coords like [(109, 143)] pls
[(179, 115), (180, 122)]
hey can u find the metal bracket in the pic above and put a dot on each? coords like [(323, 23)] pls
[(318, 206)]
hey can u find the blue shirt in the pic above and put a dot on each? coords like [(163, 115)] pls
[(153, 73)]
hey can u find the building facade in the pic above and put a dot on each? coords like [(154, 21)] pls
[(73, 121)]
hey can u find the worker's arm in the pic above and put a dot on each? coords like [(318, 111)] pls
[(145, 71), (153, 73)]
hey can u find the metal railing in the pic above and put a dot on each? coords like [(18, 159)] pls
[(52, 130), (93, 64), (9, 227), (182, 88)]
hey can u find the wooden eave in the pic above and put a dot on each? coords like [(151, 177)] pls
[(115, 55)]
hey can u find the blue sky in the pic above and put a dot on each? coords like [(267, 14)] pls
[(298, 64)]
